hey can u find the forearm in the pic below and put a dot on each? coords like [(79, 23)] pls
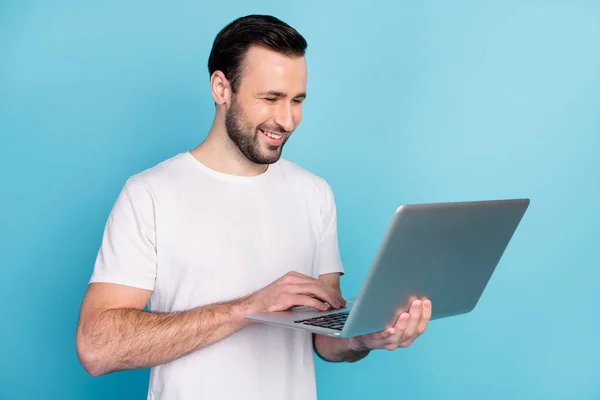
[(338, 349), (120, 339)]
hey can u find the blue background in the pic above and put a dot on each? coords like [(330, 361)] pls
[(408, 102)]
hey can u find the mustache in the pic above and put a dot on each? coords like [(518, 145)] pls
[(273, 128)]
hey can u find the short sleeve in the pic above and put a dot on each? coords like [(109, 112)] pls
[(328, 254), (127, 253)]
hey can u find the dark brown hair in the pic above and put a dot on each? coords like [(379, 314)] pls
[(234, 40)]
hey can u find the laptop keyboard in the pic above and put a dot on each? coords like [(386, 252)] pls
[(332, 321)]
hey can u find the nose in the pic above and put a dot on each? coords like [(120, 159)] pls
[(285, 116)]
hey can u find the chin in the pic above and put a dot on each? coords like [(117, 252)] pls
[(270, 160), (270, 155)]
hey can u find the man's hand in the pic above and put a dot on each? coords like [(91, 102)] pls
[(408, 327), (293, 289)]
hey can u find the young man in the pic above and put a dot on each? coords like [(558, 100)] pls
[(222, 231)]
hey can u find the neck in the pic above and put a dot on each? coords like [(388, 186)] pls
[(219, 153)]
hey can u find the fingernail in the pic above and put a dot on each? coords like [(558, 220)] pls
[(418, 305), (427, 304)]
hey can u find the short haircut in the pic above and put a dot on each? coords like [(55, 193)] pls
[(234, 40)]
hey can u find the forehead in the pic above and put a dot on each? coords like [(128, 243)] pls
[(266, 70)]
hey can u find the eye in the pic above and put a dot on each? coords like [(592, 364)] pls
[(271, 99), (297, 101)]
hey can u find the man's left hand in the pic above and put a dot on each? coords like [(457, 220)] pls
[(408, 327)]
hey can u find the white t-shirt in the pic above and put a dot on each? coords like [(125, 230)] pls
[(195, 236)]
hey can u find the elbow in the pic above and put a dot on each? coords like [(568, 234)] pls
[(90, 359), (92, 369), (318, 347)]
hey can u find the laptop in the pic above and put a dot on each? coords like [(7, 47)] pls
[(444, 251)]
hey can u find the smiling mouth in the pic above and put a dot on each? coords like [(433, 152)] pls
[(272, 135)]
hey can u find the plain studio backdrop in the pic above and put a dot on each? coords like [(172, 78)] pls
[(407, 102)]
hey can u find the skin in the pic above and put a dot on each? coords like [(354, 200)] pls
[(270, 96), (113, 331), (408, 327)]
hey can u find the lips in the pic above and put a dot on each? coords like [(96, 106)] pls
[(272, 135), (273, 138)]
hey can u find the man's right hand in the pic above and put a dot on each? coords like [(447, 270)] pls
[(293, 289)]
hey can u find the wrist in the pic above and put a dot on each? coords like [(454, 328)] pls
[(356, 345), (238, 311)]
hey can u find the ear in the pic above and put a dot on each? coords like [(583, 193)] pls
[(221, 88)]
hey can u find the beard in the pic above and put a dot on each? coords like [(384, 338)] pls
[(245, 137)]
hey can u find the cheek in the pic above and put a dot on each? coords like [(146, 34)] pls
[(260, 114), (297, 115)]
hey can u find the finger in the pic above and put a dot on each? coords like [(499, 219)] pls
[(294, 277), (383, 339), (337, 295), (329, 290), (425, 317), (318, 291), (297, 277), (300, 300), (415, 316), (402, 323), (380, 336), (398, 329)]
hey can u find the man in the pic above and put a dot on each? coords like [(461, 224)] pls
[(226, 230)]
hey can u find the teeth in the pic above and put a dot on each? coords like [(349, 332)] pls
[(272, 135)]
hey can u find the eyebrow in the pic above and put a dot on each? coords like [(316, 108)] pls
[(276, 93)]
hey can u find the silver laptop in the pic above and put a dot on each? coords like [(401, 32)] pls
[(444, 251)]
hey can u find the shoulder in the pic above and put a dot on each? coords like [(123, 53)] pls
[(160, 175), (306, 181), (142, 189), (301, 175)]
